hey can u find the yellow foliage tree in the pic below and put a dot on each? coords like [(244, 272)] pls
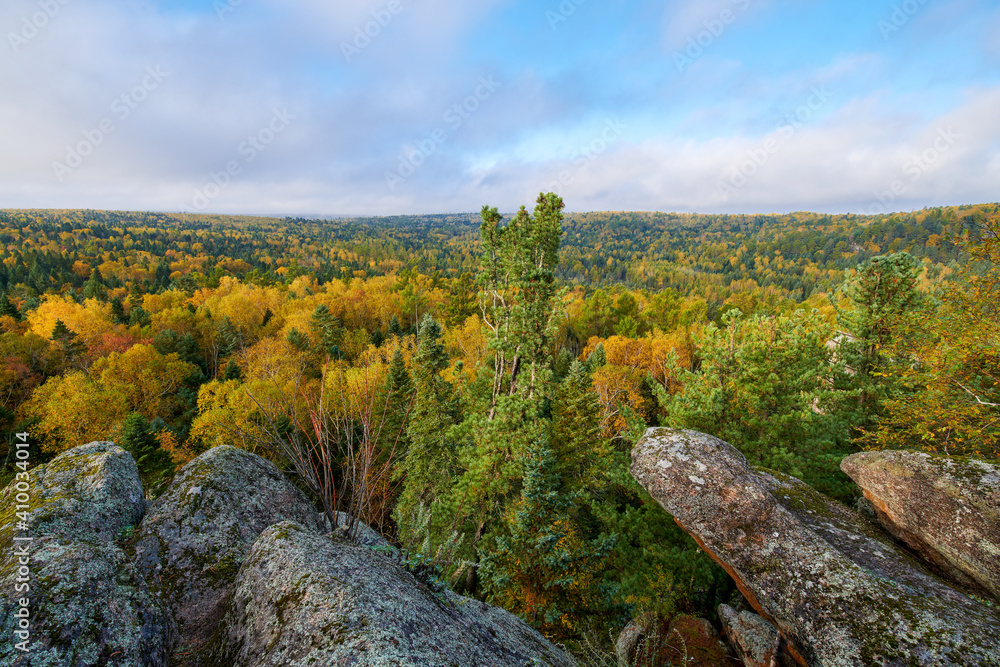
[(88, 320), (146, 380), (72, 410)]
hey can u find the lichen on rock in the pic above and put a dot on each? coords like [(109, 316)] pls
[(197, 534), (88, 493), (88, 603), (753, 638), (838, 589), (945, 508), (303, 599)]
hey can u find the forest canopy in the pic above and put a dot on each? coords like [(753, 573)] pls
[(471, 386)]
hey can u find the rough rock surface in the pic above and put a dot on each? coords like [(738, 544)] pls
[(88, 604), (751, 636), (945, 508), (194, 537), (88, 493), (651, 641), (836, 587), (304, 599)]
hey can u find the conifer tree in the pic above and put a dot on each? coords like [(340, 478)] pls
[(883, 296), (69, 345), (137, 438), (397, 398), (7, 308), (583, 455), (118, 311), (232, 371), (94, 287), (298, 340), (560, 369), (429, 464), (328, 330), (542, 567), (597, 358), (394, 327)]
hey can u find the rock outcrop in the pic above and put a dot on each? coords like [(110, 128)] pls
[(196, 535), (232, 537), (305, 599), (753, 638), (88, 604), (836, 586), (945, 508)]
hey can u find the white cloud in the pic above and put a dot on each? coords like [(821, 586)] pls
[(226, 78)]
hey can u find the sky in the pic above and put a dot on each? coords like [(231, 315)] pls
[(394, 107)]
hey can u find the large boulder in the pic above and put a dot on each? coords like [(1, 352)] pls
[(196, 535), (89, 493), (87, 604), (837, 587), (307, 599), (945, 508)]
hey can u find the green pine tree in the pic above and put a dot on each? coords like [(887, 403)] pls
[(298, 340), (583, 455), (233, 371), (118, 311), (94, 287), (430, 461), (597, 358), (68, 343), (327, 329), (396, 396), (7, 308), (542, 566), (136, 436), (394, 327)]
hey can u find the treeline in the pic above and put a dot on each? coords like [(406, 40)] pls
[(462, 391), (801, 254)]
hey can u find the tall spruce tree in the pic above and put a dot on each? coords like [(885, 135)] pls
[(583, 455), (429, 465), (396, 396), (328, 330), (542, 566), (7, 308)]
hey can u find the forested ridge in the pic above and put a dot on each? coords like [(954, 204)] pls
[(471, 385)]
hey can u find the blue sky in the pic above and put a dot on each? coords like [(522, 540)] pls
[(382, 107)]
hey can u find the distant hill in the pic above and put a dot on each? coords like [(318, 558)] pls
[(800, 253)]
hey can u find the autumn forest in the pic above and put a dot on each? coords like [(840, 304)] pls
[(471, 385)]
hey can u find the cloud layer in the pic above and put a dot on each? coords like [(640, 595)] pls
[(306, 107)]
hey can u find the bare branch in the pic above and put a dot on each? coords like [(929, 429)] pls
[(978, 400)]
